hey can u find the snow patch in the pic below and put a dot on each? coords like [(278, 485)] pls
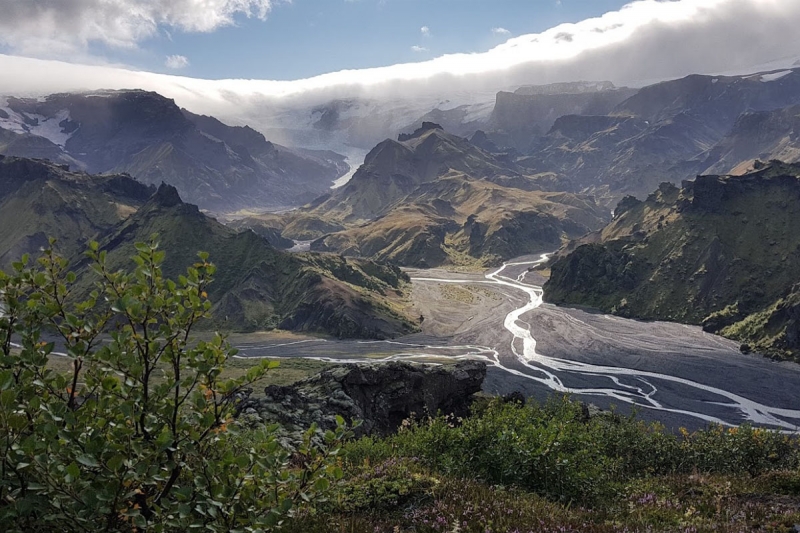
[(775, 76), (50, 128), (47, 127), (14, 122)]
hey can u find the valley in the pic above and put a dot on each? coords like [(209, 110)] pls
[(458, 193), (674, 373), (400, 267)]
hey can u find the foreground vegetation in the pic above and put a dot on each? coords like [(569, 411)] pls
[(514, 469), (139, 434)]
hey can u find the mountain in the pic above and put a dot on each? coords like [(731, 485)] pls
[(219, 167), (394, 169), (521, 116), (433, 198), (39, 200), (458, 219), (722, 251), (665, 132), (764, 135), (256, 287)]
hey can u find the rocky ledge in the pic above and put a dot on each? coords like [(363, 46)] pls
[(382, 396)]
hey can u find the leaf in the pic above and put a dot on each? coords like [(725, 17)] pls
[(7, 398), (116, 462), (88, 460), (6, 379), (73, 472)]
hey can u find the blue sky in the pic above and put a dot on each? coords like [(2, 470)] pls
[(309, 37)]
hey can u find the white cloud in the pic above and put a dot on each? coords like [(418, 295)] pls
[(500, 31), (645, 41), (60, 27), (418, 49), (425, 31), (177, 62)]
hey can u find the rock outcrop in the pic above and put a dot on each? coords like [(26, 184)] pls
[(382, 396)]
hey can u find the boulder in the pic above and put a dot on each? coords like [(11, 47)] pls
[(381, 396)]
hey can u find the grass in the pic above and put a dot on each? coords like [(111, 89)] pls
[(290, 370), (677, 504)]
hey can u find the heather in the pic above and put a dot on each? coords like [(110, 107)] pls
[(510, 468)]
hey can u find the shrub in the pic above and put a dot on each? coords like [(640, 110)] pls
[(545, 450), (554, 451), (140, 434)]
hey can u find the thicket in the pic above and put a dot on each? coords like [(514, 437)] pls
[(140, 434), (512, 468), (556, 451)]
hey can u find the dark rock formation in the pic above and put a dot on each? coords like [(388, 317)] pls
[(382, 396), (426, 127)]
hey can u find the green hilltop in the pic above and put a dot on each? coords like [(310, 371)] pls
[(722, 251), (258, 286)]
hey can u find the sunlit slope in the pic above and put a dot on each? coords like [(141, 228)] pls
[(259, 287), (723, 251)]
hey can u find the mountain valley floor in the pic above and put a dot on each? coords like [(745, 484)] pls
[(669, 372)]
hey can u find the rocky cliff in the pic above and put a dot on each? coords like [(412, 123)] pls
[(382, 396)]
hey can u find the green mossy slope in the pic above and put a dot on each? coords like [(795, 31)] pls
[(723, 251)]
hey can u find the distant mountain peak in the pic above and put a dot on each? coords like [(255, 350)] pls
[(167, 196), (576, 87), (425, 128)]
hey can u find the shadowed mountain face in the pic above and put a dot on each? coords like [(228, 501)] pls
[(256, 287), (39, 200), (529, 112), (433, 198), (219, 167), (764, 135), (723, 251), (665, 132)]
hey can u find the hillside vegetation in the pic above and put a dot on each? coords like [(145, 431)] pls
[(261, 288), (723, 251)]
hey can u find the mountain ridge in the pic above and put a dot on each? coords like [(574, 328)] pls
[(219, 167), (721, 251)]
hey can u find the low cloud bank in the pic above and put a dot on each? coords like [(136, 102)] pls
[(644, 41)]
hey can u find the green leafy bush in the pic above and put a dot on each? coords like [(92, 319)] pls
[(546, 450), (553, 450), (140, 434)]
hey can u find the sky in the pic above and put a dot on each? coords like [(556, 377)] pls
[(268, 63), (274, 39)]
